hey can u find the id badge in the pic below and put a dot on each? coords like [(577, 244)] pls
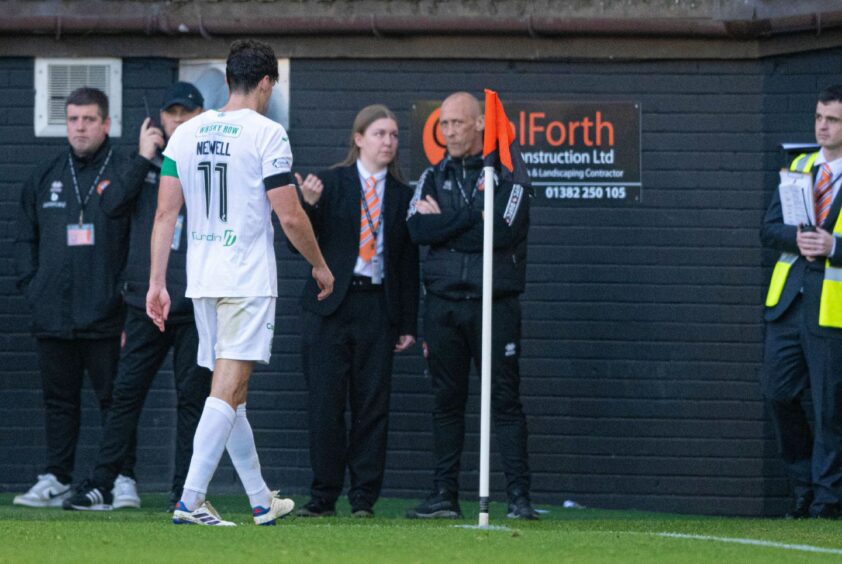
[(176, 234), (376, 270), (80, 235)]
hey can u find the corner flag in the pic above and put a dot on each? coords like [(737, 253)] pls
[(499, 146), (500, 143)]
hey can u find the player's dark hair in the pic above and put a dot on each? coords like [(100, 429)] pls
[(248, 62), (85, 96), (831, 94), (364, 119)]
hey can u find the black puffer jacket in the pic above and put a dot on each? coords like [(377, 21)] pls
[(453, 266)]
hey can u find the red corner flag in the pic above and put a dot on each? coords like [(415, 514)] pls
[(500, 144)]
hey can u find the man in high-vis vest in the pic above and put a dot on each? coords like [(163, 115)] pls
[(803, 345)]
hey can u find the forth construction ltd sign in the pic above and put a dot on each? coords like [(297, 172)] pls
[(585, 152)]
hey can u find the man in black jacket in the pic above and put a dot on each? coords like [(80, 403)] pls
[(146, 347), (446, 214), (69, 257)]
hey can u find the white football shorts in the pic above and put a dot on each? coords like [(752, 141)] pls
[(234, 328)]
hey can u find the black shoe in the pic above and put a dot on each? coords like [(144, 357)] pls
[(175, 497), (438, 505), (89, 498), (520, 507), (829, 511), (800, 507), (363, 512), (318, 507), (361, 507)]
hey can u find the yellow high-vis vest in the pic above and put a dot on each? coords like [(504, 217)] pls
[(830, 308)]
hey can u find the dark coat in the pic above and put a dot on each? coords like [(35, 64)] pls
[(453, 266), (804, 277), (137, 197), (73, 292), (336, 222)]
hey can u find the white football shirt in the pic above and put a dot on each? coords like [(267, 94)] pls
[(222, 160)]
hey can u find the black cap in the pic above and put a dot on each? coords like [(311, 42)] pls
[(183, 94)]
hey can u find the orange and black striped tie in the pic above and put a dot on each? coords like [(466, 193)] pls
[(823, 193), (368, 243)]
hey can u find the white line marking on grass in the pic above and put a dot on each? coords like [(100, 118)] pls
[(755, 542), (483, 527)]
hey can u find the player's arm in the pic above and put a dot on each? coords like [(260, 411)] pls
[(299, 232), (170, 200)]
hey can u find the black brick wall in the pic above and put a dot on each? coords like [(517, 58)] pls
[(642, 332)]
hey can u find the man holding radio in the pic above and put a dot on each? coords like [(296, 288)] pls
[(145, 346), (803, 344)]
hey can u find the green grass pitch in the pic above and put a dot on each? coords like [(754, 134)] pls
[(562, 535)]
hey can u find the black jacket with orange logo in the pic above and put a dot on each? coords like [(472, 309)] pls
[(73, 291)]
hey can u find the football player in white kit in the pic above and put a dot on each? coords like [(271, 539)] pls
[(232, 168)]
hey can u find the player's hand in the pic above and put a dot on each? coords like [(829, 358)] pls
[(427, 206), (814, 244), (158, 305), (151, 139), (311, 188), (324, 279), (404, 342)]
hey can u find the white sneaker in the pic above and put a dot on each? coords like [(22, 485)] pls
[(278, 509), (125, 493), (47, 492), (205, 514)]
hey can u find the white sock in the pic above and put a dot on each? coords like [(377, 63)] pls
[(208, 445), (243, 454)]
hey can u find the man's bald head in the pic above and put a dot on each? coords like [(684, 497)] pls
[(462, 123), (465, 100)]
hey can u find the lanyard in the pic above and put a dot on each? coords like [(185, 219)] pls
[(468, 202), (93, 184)]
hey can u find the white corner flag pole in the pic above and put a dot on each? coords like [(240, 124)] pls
[(485, 397)]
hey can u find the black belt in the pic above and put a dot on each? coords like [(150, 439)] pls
[(364, 283)]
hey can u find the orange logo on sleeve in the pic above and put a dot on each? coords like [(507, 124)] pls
[(434, 146)]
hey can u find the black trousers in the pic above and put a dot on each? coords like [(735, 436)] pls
[(145, 351), (63, 363), (348, 360), (453, 333), (796, 359)]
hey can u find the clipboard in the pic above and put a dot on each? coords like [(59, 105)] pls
[(796, 193)]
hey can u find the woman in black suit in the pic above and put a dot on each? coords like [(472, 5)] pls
[(358, 210)]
